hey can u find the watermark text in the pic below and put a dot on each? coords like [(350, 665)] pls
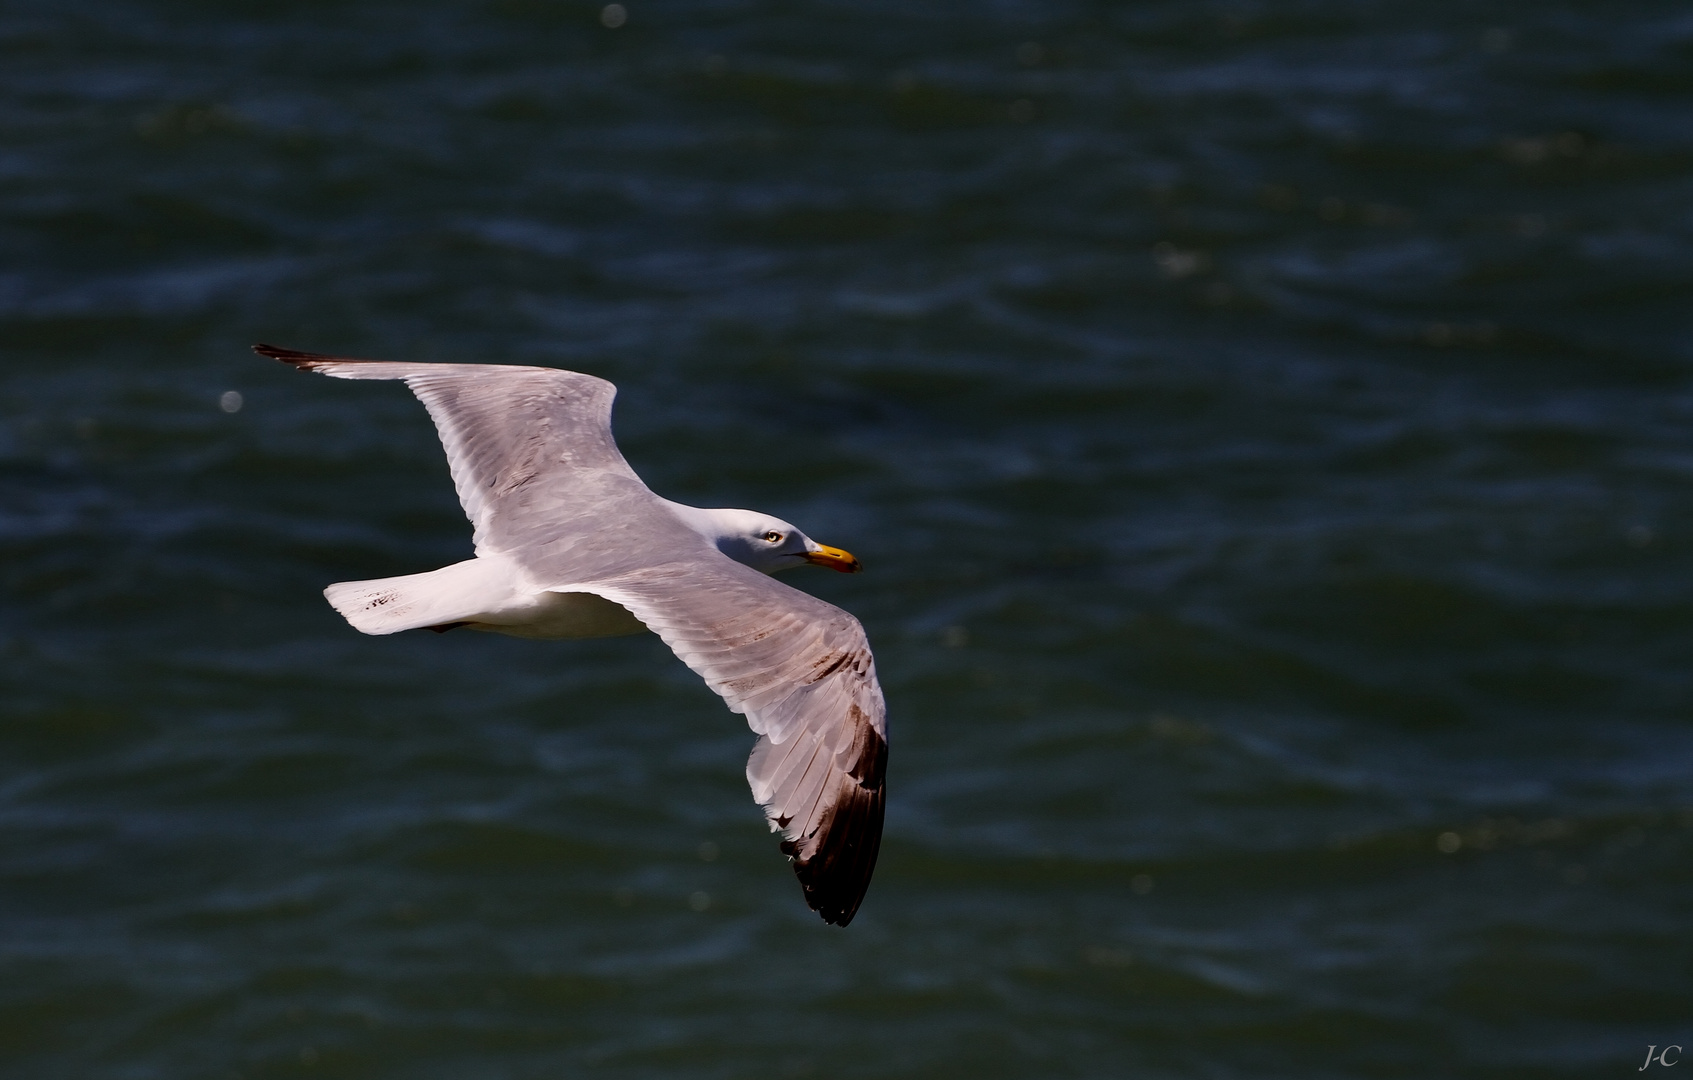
[(1660, 1056)]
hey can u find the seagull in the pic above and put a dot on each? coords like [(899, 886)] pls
[(571, 544)]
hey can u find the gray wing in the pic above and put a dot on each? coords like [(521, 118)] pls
[(801, 672), (530, 451), (542, 481)]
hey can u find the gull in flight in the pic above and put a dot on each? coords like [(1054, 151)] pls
[(571, 544)]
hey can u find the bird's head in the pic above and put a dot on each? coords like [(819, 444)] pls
[(771, 545)]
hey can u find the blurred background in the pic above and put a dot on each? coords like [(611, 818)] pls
[(1267, 427)]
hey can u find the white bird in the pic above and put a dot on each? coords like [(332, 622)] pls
[(571, 544)]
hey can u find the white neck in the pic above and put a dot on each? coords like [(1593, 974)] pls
[(705, 522)]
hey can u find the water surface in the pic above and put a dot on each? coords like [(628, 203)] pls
[(1266, 426)]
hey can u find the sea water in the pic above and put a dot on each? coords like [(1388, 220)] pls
[(1267, 428)]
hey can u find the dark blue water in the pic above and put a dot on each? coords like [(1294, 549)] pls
[(1268, 428)]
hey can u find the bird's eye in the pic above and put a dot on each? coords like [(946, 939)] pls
[(773, 536)]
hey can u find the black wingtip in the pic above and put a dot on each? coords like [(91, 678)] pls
[(837, 874), (293, 357)]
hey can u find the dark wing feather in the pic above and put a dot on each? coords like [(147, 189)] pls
[(801, 672)]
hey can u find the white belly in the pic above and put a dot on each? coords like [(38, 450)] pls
[(558, 615)]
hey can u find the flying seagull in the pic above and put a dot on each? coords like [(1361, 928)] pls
[(571, 544)]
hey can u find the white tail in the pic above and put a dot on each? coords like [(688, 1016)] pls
[(451, 594)]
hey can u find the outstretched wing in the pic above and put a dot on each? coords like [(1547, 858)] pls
[(527, 446), (801, 672)]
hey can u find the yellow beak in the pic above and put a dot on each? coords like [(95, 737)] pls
[(834, 559)]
